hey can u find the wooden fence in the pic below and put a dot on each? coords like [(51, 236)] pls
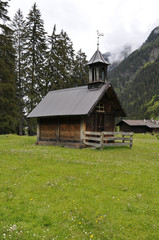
[(102, 139)]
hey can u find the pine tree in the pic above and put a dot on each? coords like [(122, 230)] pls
[(66, 60), (53, 62), (80, 76), (18, 26), (3, 12), (35, 60), (8, 109), (61, 60)]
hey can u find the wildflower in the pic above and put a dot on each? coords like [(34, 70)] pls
[(31, 199), (79, 223), (91, 236), (14, 227)]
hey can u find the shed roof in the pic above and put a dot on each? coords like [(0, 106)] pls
[(147, 123), (71, 101), (97, 57)]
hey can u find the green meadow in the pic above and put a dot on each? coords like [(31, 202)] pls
[(56, 193)]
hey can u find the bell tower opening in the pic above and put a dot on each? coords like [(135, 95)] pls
[(103, 74), (94, 74)]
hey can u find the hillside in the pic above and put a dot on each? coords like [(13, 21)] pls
[(136, 79)]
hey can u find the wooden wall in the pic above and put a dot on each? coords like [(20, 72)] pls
[(48, 129), (60, 129), (136, 129), (102, 121), (69, 129)]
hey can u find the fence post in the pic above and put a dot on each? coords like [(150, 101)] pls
[(84, 141), (101, 140), (123, 137), (131, 140)]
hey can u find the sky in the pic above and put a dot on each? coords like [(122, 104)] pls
[(122, 22)]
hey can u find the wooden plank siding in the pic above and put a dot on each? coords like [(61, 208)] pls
[(48, 129), (136, 129), (60, 129), (99, 121), (70, 129)]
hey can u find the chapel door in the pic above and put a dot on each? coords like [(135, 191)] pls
[(100, 122)]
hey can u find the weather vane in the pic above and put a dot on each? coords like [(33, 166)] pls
[(99, 34)]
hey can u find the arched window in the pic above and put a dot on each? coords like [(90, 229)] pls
[(103, 74), (94, 74)]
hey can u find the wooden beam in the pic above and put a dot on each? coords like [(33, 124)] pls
[(116, 138), (38, 129), (82, 129), (92, 138), (58, 129), (93, 144), (93, 133), (117, 144)]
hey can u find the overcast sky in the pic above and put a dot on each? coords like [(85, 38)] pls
[(121, 21)]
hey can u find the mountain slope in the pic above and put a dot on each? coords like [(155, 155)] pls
[(141, 97), (136, 79), (153, 35), (117, 56)]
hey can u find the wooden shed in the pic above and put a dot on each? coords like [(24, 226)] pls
[(64, 115), (139, 126)]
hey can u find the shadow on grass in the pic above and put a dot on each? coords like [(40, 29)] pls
[(114, 148)]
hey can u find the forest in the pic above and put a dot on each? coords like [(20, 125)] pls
[(32, 62)]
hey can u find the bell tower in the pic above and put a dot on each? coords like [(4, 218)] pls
[(97, 68)]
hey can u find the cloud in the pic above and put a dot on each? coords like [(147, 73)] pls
[(121, 21)]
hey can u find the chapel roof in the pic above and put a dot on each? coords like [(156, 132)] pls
[(74, 101)]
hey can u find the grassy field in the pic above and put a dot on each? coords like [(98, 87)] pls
[(58, 193)]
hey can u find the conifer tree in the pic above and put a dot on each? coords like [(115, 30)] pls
[(53, 62), (35, 59), (80, 75), (66, 60), (61, 60), (3, 12), (8, 110), (18, 27)]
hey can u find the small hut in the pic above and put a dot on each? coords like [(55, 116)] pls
[(139, 126), (64, 115)]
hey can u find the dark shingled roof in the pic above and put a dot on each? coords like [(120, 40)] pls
[(69, 101), (97, 57), (73, 101), (148, 123)]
